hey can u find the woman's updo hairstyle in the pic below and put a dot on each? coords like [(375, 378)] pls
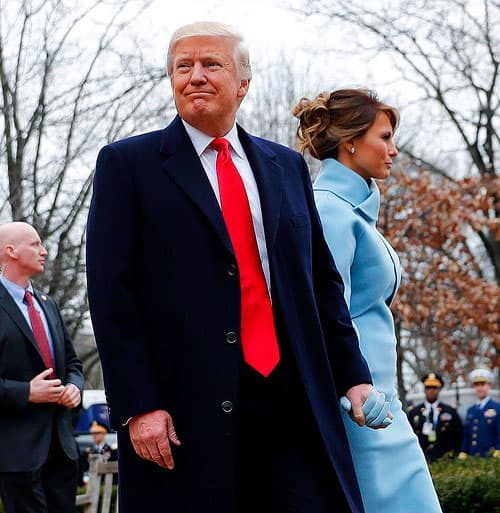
[(335, 117)]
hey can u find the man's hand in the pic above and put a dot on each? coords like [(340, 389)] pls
[(151, 434), (369, 407), (70, 397), (44, 390)]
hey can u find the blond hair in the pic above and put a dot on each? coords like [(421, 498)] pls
[(213, 28)]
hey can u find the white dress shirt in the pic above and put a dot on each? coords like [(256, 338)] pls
[(208, 157), (435, 412)]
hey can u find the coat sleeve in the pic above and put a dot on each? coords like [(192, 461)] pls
[(457, 432), (497, 434), (14, 394), (466, 434), (113, 254), (73, 370), (348, 365)]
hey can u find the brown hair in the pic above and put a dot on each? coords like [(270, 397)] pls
[(335, 117)]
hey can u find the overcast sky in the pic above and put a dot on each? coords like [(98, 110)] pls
[(270, 30)]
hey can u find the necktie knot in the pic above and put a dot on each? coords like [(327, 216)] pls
[(28, 298), (220, 144)]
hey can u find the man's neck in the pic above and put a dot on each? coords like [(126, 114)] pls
[(19, 279), (211, 128)]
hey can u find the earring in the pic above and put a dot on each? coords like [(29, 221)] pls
[(352, 150)]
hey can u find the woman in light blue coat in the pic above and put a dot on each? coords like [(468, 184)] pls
[(351, 132)]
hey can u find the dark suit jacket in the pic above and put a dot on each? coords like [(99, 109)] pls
[(163, 295), (26, 428)]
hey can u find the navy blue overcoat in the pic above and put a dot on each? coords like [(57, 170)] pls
[(164, 294)]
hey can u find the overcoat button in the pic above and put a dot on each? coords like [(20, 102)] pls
[(227, 406), (231, 269), (231, 337)]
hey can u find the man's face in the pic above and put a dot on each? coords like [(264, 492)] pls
[(30, 252), (98, 438), (432, 393), (482, 390), (205, 82)]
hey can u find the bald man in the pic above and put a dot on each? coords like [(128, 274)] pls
[(40, 383)]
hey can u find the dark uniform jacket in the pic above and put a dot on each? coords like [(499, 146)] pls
[(482, 429), (106, 450), (447, 427)]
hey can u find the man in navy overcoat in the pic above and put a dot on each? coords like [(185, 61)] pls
[(164, 292)]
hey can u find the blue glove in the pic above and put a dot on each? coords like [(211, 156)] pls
[(375, 409)]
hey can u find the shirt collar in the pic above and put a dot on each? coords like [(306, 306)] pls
[(351, 187), (483, 402), (201, 141), (15, 290), (433, 405)]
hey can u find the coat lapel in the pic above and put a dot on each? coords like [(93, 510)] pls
[(183, 165), (8, 304), (268, 175)]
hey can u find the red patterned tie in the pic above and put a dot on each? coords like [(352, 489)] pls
[(39, 332), (258, 334)]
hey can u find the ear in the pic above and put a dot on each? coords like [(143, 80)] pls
[(348, 145), (10, 251), (243, 88), (344, 150)]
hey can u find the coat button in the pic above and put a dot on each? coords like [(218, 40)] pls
[(231, 337), (227, 406), (231, 269)]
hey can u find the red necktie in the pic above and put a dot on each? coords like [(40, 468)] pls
[(39, 332), (258, 334)]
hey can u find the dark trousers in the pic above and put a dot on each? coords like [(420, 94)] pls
[(281, 463), (49, 489)]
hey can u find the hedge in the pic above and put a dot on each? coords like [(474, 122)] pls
[(468, 486)]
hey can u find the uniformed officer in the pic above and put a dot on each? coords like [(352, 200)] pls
[(99, 432), (437, 424), (482, 424)]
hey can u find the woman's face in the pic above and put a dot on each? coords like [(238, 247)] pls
[(375, 150)]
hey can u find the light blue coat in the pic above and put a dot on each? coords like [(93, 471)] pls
[(390, 466)]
